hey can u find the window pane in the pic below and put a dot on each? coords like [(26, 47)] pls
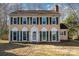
[(44, 20), (30, 20), (34, 20), (15, 20), (14, 35), (11, 35), (44, 35), (53, 20), (17, 35), (27, 20), (24, 20), (64, 32), (27, 35), (24, 35), (34, 35), (56, 20)]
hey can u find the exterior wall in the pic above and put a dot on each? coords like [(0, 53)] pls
[(39, 26), (63, 37)]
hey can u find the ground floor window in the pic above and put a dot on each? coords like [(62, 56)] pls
[(34, 35), (43, 35), (25, 35), (19, 35), (54, 35)]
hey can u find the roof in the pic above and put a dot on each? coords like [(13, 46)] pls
[(63, 26), (26, 12)]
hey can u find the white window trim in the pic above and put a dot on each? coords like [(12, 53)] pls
[(23, 20), (13, 36), (45, 36), (45, 20), (36, 20), (54, 20)]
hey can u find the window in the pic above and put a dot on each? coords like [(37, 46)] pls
[(54, 35), (34, 20), (18, 20), (57, 20), (53, 20), (27, 35), (30, 20), (43, 34), (24, 35), (17, 35), (24, 21), (15, 21), (44, 20), (64, 32), (14, 35), (27, 20), (34, 36), (11, 35)]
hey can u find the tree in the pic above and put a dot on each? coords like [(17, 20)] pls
[(72, 25)]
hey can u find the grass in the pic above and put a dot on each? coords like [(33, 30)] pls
[(42, 49)]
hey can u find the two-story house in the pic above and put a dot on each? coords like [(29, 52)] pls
[(36, 26)]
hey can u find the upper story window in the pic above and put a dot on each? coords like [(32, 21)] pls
[(34, 20), (53, 20), (24, 20), (15, 20), (44, 20)]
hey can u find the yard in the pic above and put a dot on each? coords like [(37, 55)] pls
[(43, 49)]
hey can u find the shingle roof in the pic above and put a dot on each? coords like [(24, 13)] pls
[(25, 12), (63, 26)]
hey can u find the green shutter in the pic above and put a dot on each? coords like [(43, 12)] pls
[(21, 20), (40, 20), (28, 35), (10, 35), (50, 36), (30, 20), (57, 35), (27, 20), (50, 20), (47, 20), (20, 35), (18, 20), (47, 36)]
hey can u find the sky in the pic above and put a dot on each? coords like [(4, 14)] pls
[(64, 7)]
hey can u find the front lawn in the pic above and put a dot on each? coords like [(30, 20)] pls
[(43, 49)]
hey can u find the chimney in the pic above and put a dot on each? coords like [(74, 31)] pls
[(57, 8)]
